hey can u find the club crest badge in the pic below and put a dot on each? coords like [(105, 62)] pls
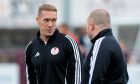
[(54, 50)]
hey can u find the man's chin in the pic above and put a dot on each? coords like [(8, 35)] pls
[(90, 37), (49, 34)]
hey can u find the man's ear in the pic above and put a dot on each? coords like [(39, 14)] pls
[(37, 19), (91, 25)]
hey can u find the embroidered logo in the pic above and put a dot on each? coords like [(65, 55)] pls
[(37, 54), (54, 50)]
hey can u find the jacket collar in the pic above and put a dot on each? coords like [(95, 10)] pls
[(50, 38), (105, 32)]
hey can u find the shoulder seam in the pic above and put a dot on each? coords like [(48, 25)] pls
[(28, 45)]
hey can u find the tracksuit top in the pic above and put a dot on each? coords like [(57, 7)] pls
[(105, 63), (57, 62)]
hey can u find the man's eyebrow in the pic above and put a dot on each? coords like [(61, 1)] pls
[(49, 18)]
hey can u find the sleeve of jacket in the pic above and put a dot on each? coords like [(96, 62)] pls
[(99, 61), (30, 73), (74, 68)]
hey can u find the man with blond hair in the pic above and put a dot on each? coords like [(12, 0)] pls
[(52, 57)]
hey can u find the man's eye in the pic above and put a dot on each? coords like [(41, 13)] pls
[(46, 20), (53, 20)]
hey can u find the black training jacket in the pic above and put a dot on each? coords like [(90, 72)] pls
[(57, 62), (105, 63)]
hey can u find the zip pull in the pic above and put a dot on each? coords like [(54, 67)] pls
[(45, 43)]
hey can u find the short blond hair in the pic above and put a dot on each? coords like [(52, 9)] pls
[(46, 7)]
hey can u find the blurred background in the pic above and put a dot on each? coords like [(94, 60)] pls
[(18, 27)]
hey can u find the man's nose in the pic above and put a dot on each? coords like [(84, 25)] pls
[(50, 23)]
